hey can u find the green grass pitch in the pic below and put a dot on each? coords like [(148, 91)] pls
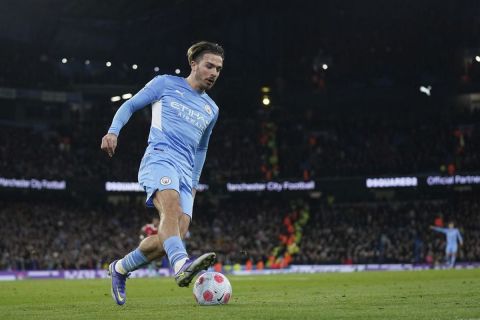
[(435, 294)]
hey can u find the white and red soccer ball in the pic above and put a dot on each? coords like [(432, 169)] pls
[(212, 288)]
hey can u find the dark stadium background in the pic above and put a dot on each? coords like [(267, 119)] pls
[(344, 81)]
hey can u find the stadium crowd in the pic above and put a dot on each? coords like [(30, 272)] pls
[(291, 140), (263, 147), (65, 235)]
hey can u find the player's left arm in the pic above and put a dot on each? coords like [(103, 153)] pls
[(201, 154)]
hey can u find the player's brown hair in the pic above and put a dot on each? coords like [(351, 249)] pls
[(197, 50)]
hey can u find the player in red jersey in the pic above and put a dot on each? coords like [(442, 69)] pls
[(149, 228)]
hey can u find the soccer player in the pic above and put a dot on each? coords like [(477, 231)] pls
[(149, 229), (183, 116), (453, 235)]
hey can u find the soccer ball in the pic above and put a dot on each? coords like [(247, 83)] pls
[(212, 288)]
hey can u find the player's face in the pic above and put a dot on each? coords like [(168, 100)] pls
[(207, 70)]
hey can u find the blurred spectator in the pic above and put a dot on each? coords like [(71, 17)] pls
[(62, 235), (263, 147)]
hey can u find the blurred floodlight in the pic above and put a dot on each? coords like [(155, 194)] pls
[(115, 99), (324, 66), (64, 60), (177, 71), (265, 89), (134, 67), (87, 62), (108, 64), (266, 101), (126, 96), (426, 90), (156, 69), (477, 58)]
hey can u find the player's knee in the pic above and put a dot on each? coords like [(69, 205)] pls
[(170, 213)]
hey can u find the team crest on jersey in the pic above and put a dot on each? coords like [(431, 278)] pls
[(165, 181), (208, 109)]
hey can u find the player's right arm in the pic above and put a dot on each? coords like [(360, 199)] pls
[(143, 232), (150, 93), (442, 230)]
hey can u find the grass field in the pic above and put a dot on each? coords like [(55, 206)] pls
[(436, 294)]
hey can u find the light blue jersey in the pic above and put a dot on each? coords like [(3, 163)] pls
[(182, 122), (453, 235)]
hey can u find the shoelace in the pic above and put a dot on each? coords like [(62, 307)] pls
[(121, 286)]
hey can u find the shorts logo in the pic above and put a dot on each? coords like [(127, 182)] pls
[(208, 109), (165, 181)]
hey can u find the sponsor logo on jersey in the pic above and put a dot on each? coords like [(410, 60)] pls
[(190, 115), (208, 109)]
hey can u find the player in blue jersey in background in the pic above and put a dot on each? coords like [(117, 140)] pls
[(453, 235), (183, 116)]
